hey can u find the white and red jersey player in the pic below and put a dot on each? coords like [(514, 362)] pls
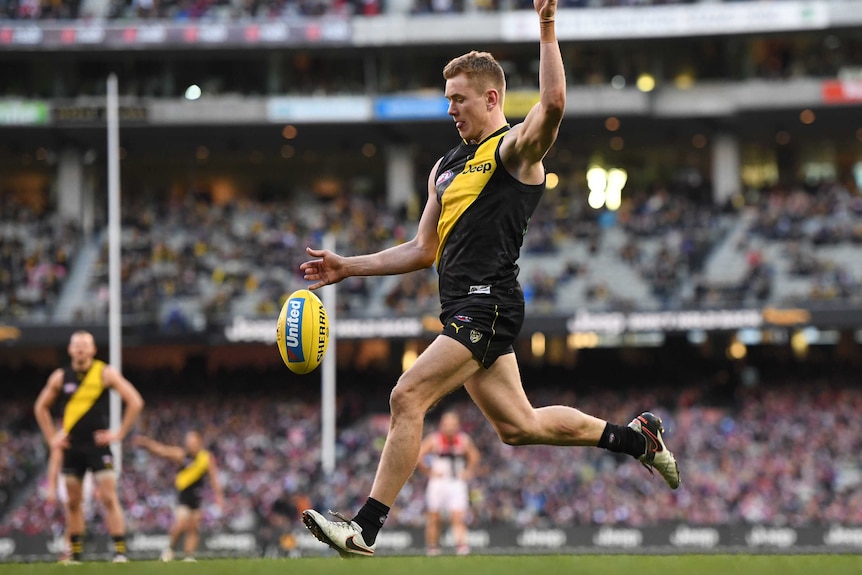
[(449, 458)]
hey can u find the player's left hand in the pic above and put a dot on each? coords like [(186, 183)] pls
[(105, 437), (60, 440), (546, 9), (327, 269)]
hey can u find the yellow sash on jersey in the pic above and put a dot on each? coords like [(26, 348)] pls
[(465, 188), (193, 471), (89, 391)]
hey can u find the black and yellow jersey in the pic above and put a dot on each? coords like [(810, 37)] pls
[(194, 468), (483, 218), (85, 402)]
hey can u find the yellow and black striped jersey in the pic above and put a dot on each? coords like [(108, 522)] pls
[(194, 469), (483, 218), (85, 402)]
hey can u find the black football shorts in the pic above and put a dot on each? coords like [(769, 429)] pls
[(190, 498), (83, 455), (486, 329)]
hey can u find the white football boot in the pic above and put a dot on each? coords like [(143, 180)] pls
[(167, 555), (345, 536), (657, 455)]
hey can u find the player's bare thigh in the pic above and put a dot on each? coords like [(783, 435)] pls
[(443, 367), (74, 489), (105, 482), (498, 392), (500, 395), (183, 516)]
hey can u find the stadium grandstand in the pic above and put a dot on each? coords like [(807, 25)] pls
[(701, 232)]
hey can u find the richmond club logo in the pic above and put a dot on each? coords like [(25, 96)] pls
[(444, 177)]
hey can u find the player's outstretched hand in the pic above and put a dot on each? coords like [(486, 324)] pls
[(327, 269), (140, 441), (105, 437), (546, 9)]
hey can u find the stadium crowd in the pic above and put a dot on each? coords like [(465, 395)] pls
[(183, 10), (23, 452), (35, 247), (760, 454), (184, 269), (181, 254)]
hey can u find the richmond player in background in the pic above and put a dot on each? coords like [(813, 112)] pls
[(82, 388), (449, 458), (195, 464)]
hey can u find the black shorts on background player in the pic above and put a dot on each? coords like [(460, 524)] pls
[(79, 458), (190, 498)]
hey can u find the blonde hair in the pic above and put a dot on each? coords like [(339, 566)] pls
[(480, 68)]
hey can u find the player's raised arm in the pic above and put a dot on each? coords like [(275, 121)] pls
[(531, 140), (417, 254), (170, 452)]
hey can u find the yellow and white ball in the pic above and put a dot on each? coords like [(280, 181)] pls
[(302, 332)]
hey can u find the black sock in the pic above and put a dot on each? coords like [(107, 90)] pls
[(77, 546), (119, 544), (371, 518), (622, 439)]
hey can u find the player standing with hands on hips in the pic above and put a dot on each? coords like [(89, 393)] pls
[(481, 195), (449, 458), (85, 439)]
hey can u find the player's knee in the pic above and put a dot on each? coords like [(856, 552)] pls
[(73, 503), (404, 400), (513, 436), (109, 500), (516, 434)]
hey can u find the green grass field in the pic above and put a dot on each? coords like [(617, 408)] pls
[(479, 565)]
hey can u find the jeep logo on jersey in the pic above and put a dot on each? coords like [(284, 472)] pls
[(480, 168), (293, 337), (69, 387)]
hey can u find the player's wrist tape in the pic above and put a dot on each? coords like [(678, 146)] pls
[(546, 30)]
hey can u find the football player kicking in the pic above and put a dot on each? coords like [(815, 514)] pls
[(481, 195)]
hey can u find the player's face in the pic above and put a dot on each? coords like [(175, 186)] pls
[(449, 424), (82, 350), (193, 442), (468, 106)]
